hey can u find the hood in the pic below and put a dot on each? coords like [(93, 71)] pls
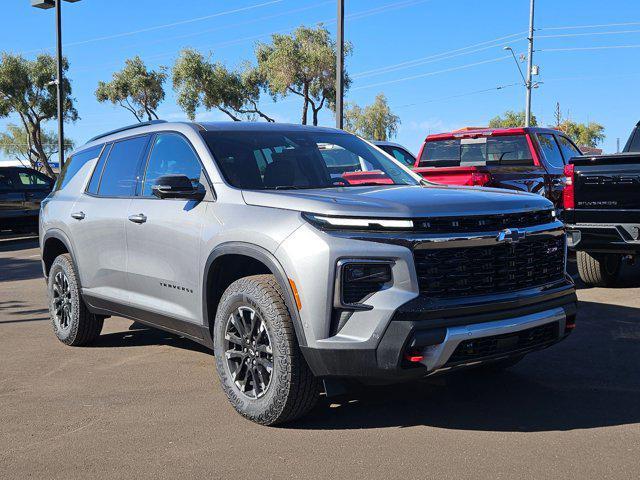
[(399, 201)]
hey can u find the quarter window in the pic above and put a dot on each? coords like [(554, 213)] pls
[(74, 164), (171, 155), (550, 150), (119, 175), (569, 150)]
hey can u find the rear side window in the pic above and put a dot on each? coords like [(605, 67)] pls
[(399, 154), (119, 177), (33, 180), (550, 150), (569, 150), (75, 163)]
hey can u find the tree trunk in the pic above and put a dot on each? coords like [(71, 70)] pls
[(305, 105)]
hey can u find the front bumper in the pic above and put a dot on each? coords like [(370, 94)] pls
[(437, 335)]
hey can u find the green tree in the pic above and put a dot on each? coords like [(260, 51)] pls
[(375, 121), (135, 88), (511, 119), (198, 82), (583, 134), (28, 91), (16, 143), (303, 64)]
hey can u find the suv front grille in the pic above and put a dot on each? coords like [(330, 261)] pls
[(476, 349), (456, 272), (484, 223)]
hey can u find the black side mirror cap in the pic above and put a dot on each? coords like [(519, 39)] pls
[(177, 186)]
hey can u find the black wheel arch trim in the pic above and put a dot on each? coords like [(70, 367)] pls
[(58, 235), (267, 258)]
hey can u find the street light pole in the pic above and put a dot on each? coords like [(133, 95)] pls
[(45, 5), (527, 114), (59, 83), (340, 67)]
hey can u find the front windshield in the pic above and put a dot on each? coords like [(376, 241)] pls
[(272, 160)]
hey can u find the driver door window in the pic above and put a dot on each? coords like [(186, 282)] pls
[(170, 154)]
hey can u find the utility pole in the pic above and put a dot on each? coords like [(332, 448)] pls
[(340, 67), (527, 115)]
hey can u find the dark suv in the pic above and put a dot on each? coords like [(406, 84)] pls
[(21, 191)]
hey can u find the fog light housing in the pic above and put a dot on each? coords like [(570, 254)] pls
[(357, 279)]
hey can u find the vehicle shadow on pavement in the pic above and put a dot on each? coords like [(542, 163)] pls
[(141, 335), (629, 277), (590, 380)]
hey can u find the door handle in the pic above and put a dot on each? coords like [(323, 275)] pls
[(78, 215), (139, 218)]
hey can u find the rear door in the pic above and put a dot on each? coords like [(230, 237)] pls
[(98, 219), (554, 163), (163, 239)]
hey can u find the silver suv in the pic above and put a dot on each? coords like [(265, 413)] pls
[(300, 255)]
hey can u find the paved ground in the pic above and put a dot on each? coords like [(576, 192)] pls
[(143, 404)]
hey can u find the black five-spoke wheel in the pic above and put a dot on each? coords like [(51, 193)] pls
[(248, 352)]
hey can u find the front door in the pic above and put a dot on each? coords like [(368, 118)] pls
[(163, 241)]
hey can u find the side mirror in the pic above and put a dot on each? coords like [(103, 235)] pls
[(177, 186)]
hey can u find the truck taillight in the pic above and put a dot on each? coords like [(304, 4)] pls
[(479, 178), (568, 193)]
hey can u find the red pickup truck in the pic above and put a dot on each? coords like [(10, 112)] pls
[(528, 159)]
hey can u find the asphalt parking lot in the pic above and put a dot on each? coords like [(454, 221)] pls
[(142, 403)]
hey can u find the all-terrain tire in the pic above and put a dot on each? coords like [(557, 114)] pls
[(292, 390), (598, 270), (79, 326)]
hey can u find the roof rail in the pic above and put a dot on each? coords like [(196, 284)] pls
[(128, 127)]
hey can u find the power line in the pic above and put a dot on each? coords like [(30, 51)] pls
[(571, 27), (572, 49), (466, 94), (438, 56), (167, 25), (429, 74), (587, 34)]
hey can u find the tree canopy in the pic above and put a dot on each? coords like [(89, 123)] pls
[(584, 134), (28, 90), (200, 82), (135, 88), (511, 119), (375, 121), (302, 64), (15, 143)]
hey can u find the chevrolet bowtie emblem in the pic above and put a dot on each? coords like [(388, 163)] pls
[(511, 235)]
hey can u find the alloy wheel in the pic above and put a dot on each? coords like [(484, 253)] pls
[(62, 304), (248, 352)]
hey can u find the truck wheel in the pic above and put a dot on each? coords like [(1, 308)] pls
[(598, 270), (261, 368), (72, 322)]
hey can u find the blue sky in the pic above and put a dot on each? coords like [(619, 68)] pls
[(438, 62)]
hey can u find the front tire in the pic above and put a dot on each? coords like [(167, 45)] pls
[(261, 367), (598, 270), (72, 322)]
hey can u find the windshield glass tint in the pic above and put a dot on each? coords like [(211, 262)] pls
[(269, 160), (495, 150)]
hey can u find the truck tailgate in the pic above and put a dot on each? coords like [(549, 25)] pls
[(467, 175), (607, 189)]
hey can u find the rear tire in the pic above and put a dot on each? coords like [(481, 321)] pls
[(598, 270), (72, 322), (261, 367)]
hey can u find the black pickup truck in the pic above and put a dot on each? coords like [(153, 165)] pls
[(602, 211)]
